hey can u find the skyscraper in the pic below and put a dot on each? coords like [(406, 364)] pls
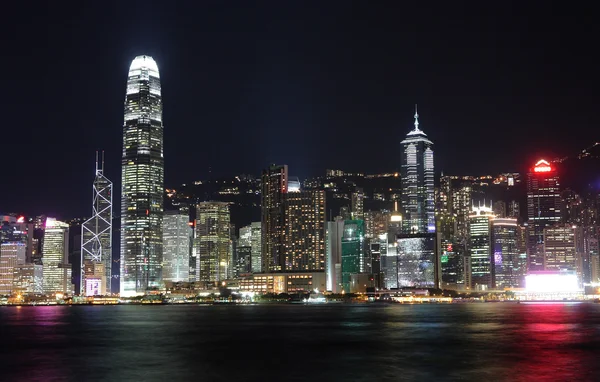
[(96, 234), (177, 235), (508, 269), (274, 190), (543, 209), (479, 247), (212, 242), (142, 180), (55, 258), (418, 204), (353, 251), (305, 231), (563, 249)]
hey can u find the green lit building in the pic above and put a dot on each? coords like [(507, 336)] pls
[(353, 253)]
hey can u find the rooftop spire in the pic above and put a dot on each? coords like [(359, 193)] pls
[(416, 119)]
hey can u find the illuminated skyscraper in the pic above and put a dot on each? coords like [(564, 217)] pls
[(479, 247), (543, 209), (508, 267), (96, 236), (55, 258), (418, 204), (177, 235), (212, 242), (305, 231), (142, 180), (274, 191)]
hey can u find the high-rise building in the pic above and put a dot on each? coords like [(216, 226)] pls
[(479, 247), (55, 258), (177, 235), (142, 180), (499, 208), (563, 249), (12, 254), (508, 268), (212, 242), (274, 190), (333, 254), (417, 263), (543, 209), (28, 279), (96, 233), (305, 231), (357, 204), (376, 223), (514, 210), (353, 252), (418, 203), (255, 243)]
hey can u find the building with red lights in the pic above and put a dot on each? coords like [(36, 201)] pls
[(543, 209)]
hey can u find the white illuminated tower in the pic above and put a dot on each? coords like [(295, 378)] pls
[(96, 238), (417, 182), (142, 179)]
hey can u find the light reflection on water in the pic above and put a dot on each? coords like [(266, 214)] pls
[(497, 342)]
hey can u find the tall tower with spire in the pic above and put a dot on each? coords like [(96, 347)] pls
[(417, 173), (142, 180), (96, 237)]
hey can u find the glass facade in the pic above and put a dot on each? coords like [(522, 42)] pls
[(480, 247), (418, 204), (177, 235), (508, 268), (96, 232), (416, 260), (543, 209), (142, 179), (353, 251), (212, 243), (55, 258)]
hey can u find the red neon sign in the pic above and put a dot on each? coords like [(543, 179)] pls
[(542, 166)]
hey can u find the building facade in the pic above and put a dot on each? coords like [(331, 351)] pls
[(273, 192), (543, 209), (305, 231), (509, 267), (212, 243), (96, 233), (177, 236), (479, 247), (55, 258), (418, 205), (142, 180)]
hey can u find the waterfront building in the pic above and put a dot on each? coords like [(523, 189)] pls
[(273, 192), (28, 279), (55, 258), (543, 209), (353, 252), (417, 174), (177, 236), (563, 249), (333, 254), (305, 231), (509, 267), (212, 243), (479, 247), (96, 233), (142, 180)]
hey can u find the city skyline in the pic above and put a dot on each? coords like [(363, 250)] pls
[(256, 76)]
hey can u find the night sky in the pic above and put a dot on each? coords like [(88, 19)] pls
[(315, 85)]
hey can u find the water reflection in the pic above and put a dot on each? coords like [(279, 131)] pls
[(495, 342)]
